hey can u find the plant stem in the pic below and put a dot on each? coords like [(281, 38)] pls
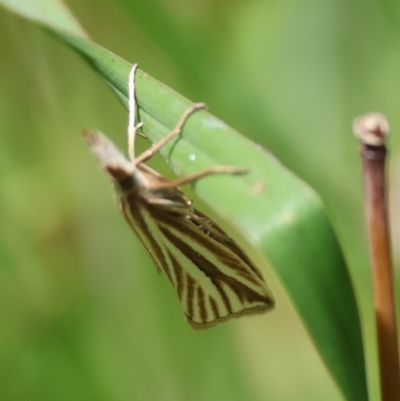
[(372, 130)]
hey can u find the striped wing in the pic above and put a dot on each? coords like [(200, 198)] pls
[(213, 277)]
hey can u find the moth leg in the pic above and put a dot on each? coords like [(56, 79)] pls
[(170, 205), (175, 132), (132, 127), (186, 179)]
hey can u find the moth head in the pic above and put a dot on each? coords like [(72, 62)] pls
[(113, 161)]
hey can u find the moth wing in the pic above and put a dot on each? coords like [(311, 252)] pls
[(213, 277)]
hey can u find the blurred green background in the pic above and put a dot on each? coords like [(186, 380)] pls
[(83, 313)]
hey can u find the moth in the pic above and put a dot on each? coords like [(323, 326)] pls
[(213, 277)]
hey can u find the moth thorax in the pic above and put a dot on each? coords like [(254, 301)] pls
[(130, 183)]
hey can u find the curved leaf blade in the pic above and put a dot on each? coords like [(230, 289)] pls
[(274, 210)]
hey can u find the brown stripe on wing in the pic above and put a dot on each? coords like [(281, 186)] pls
[(201, 299), (179, 275), (214, 306), (208, 268), (217, 277), (121, 208), (132, 203), (226, 240), (221, 250), (183, 277), (191, 287)]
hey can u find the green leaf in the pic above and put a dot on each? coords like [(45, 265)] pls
[(274, 210)]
